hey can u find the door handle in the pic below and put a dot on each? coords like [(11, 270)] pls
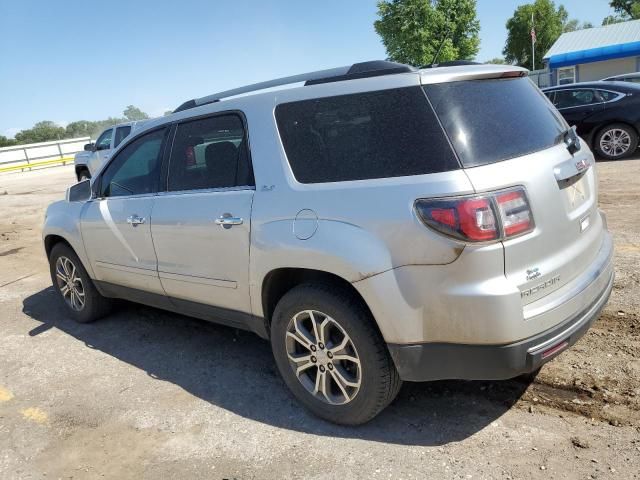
[(135, 220), (227, 221)]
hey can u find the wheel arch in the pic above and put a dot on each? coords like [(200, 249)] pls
[(281, 280)]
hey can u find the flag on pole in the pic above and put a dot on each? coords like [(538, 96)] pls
[(533, 35)]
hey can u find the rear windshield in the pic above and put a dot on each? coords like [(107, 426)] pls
[(388, 133), (489, 121)]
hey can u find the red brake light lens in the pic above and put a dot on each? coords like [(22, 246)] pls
[(482, 218)]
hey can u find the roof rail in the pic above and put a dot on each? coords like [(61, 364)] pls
[(357, 70)]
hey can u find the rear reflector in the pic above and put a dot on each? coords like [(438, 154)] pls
[(483, 218), (555, 349)]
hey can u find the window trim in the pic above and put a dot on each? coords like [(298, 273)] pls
[(163, 188), (573, 70), (122, 146)]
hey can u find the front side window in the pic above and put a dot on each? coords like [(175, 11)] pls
[(210, 153), (121, 134), (388, 133), (135, 169), (104, 141)]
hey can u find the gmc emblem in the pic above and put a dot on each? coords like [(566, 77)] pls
[(582, 165)]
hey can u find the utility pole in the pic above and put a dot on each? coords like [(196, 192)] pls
[(533, 41)]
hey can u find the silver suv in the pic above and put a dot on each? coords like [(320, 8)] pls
[(376, 223)]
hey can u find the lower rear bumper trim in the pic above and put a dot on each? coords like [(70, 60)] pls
[(438, 361)]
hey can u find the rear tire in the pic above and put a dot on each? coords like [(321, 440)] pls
[(346, 350), (616, 141), (79, 295)]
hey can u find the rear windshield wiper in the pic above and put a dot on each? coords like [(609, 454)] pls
[(571, 140)]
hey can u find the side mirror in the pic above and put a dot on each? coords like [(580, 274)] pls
[(90, 147), (80, 192)]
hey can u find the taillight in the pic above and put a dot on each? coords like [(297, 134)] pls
[(479, 218)]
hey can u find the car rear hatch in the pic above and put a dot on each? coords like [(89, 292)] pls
[(507, 134)]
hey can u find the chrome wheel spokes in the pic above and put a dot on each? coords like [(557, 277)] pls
[(323, 357), (615, 142), (70, 284)]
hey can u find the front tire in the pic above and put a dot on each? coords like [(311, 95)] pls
[(331, 355), (616, 141), (82, 300)]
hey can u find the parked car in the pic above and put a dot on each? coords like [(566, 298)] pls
[(627, 77), (378, 224), (95, 154), (606, 114)]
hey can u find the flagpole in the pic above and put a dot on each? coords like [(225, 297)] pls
[(533, 50)]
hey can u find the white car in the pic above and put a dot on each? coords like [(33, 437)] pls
[(96, 154)]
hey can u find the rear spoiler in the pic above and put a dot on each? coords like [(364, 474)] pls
[(470, 72)]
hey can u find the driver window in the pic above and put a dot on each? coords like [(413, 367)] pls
[(104, 142), (135, 170)]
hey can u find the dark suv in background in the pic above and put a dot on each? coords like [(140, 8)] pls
[(606, 114)]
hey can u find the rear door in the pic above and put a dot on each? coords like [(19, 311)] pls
[(576, 105), (116, 227), (506, 133), (202, 222)]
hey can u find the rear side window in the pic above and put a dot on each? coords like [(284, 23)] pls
[(389, 133), (210, 153), (493, 120), (121, 134)]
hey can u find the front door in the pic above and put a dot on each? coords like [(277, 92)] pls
[(116, 227), (201, 225)]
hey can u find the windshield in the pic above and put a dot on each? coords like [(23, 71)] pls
[(489, 121)]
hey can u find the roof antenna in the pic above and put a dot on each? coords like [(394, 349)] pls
[(444, 39)]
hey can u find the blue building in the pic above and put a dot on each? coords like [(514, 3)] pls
[(595, 53)]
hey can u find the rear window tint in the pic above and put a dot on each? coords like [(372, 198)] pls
[(493, 120), (389, 133)]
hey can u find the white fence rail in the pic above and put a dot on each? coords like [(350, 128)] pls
[(38, 155)]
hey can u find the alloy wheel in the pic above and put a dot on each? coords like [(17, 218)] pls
[(70, 284), (323, 357), (615, 142)]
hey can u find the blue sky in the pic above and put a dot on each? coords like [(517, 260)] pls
[(71, 60)]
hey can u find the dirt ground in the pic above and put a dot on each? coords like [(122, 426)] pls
[(148, 394)]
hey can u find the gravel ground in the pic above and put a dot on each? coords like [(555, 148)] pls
[(149, 394)]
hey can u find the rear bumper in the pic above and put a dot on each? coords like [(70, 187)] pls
[(436, 361)]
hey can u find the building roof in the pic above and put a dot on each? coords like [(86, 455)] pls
[(598, 37)]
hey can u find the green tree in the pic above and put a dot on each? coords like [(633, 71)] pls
[(44, 131), (413, 30), (627, 9), (611, 19), (7, 142), (132, 113), (549, 23), (573, 25), (497, 61), (80, 128)]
